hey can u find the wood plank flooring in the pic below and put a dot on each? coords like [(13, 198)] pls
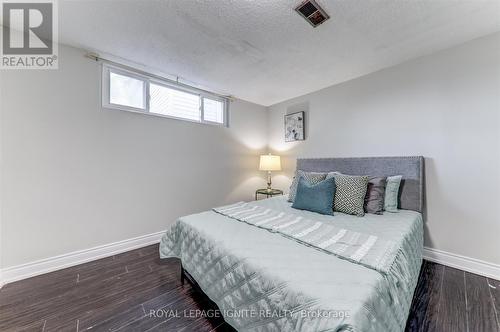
[(447, 299), (136, 291)]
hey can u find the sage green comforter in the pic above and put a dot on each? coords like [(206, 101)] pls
[(263, 281)]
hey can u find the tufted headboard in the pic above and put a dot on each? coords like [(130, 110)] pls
[(411, 191)]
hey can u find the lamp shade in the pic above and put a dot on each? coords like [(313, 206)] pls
[(269, 162)]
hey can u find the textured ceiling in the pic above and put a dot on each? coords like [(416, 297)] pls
[(261, 50)]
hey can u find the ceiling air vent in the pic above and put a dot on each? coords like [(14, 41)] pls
[(312, 12)]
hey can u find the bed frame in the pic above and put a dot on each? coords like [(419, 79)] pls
[(411, 191)]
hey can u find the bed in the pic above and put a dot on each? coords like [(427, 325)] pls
[(263, 280)]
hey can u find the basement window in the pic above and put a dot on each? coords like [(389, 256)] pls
[(126, 90)]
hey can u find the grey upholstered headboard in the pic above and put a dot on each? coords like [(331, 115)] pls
[(411, 191)]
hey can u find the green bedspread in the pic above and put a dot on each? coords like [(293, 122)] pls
[(263, 281)]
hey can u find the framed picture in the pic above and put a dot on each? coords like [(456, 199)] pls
[(294, 127)]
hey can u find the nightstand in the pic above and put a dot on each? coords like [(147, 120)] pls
[(268, 192)]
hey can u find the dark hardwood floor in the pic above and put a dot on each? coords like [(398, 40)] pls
[(135, 291)]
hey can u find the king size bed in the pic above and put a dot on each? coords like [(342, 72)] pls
[(324, 273)]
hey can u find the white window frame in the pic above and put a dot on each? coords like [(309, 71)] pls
[(106, 84), (151, 79), (172, 86), (224, 109)]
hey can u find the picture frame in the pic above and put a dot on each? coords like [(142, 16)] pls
[(294, 127)]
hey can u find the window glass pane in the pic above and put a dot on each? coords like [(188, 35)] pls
[(213, 110), (127, 91), (173, 102)]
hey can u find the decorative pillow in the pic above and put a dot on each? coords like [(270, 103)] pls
[(350, 193), (375, 195), (315, 197), (311, 177), (391, 193)]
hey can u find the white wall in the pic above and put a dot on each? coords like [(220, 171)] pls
[(1, 174), (444, 106), (76, 176)]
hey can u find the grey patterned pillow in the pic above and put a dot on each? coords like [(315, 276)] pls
[(350, 194), (311, 177)]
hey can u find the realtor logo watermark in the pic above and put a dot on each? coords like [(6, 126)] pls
[(29, 34)]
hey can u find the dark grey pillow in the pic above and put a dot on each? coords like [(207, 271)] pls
[(375, 194)]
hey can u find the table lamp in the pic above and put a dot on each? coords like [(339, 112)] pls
[(269, 163)]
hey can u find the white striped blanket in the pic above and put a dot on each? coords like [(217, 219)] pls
[(367, 250)]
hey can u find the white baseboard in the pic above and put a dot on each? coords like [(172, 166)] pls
[(468, 264), (46, 265)]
